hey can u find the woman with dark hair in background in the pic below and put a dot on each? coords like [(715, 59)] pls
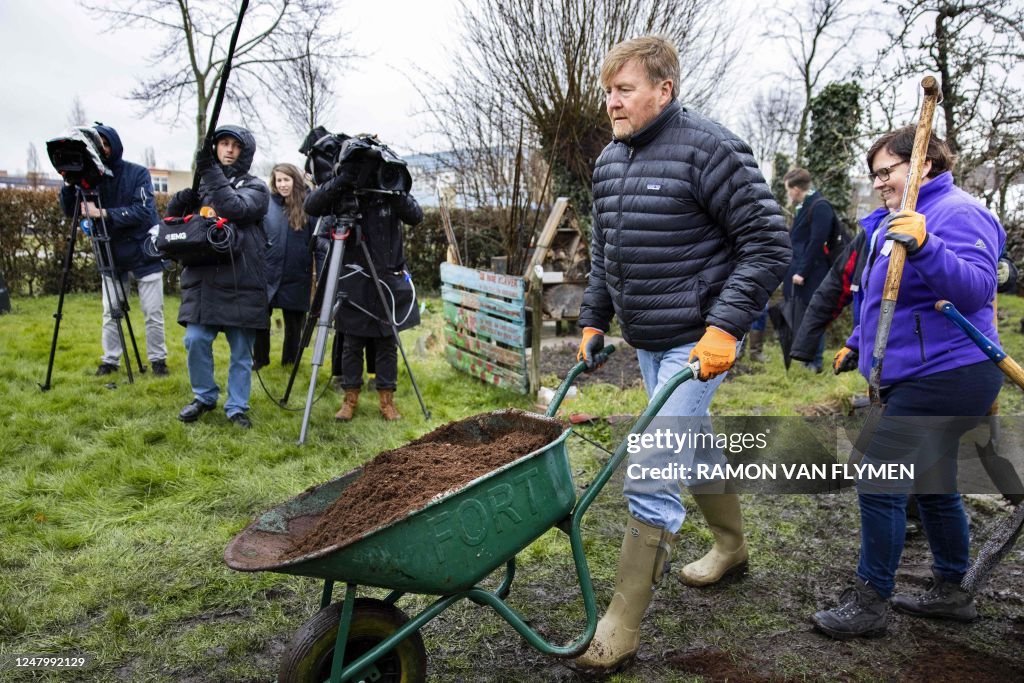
[(936, 383), (289, 261)]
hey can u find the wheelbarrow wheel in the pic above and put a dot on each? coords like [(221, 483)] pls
[(311, 652)]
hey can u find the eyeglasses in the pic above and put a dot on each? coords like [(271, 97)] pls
[(884, 173)]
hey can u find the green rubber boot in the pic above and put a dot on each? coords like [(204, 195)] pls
[(642, 562)]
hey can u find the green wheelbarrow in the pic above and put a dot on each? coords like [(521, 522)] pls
[(445, 548)]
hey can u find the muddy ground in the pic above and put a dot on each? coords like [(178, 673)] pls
[(755, 628)]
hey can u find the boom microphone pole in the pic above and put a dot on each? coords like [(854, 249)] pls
[(221, 89)]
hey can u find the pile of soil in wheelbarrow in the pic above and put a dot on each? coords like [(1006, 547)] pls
[(398, 482)]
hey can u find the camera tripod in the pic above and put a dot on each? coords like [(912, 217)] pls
[(114, 294), (344, 226)]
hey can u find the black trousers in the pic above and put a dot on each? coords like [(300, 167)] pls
[(338, 348), (290, 346), (385, 363)]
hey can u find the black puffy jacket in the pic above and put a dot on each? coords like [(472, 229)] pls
[(361, 313), (231, 294), (686, 234)]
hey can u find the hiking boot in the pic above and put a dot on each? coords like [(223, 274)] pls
[(106, 369), (160, 368), (348, 405), (194, 410), (241, 420), (942, 600), (387, 405), (861, 612)]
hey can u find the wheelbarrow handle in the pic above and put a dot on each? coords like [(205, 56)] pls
[(689, 371), (1009, 366), (599, 359)]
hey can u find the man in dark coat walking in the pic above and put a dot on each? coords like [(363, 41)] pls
[(811, 229), (128, 210), (229, 297)]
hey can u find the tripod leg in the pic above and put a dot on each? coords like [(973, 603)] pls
[(323, 324), (394, 327), (308, 325), (101, 240), (123, 297), (69, 256), (113, 307)]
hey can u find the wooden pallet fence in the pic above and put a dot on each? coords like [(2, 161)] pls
[(485, 325)]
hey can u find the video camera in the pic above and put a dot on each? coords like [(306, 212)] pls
[(371, 163), (77, 157)]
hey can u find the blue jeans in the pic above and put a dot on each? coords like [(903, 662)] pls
[(657, 501), (199, 355), (968, 392)]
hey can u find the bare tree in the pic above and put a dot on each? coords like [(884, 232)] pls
[(535, 65), (149, 157), (815, 34), (771, 124), (309, 98), (77, 115), (189, 63), (975, 50)]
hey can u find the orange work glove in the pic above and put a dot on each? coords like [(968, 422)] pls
[(590, 347), (908, 228), (845, 360), (716, 352)]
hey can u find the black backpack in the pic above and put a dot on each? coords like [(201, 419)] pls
[(839, 236)]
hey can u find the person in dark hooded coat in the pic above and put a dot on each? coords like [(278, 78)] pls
[(361, 318), (291, 252), (229, 297), (128, 211)]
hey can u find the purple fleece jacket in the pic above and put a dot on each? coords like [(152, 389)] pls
[(956, 263)]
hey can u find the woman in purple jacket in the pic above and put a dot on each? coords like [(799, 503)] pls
[(932, 371)]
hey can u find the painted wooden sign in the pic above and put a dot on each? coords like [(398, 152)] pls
[(485, 325)]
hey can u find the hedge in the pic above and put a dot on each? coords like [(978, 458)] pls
[(34, 233)]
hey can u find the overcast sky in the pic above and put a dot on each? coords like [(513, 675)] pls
[(56, 50)]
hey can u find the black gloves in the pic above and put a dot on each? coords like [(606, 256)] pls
[(204, 159), (183, 202), (845, 360), (345, 177)]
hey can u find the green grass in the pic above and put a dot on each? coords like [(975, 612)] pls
[(114, 516)]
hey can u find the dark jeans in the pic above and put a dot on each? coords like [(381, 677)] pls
[(290, 346), (338, 349), (385, 361), (967, 392)]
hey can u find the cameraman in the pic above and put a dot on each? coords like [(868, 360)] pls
[(229, 297), (128, 211), (361, 318)]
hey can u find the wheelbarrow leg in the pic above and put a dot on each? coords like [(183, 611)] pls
[(325, 597), (343, 626)]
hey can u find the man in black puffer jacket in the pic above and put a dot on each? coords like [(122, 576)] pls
[(229, 297), (128, 210), (687, 246)]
